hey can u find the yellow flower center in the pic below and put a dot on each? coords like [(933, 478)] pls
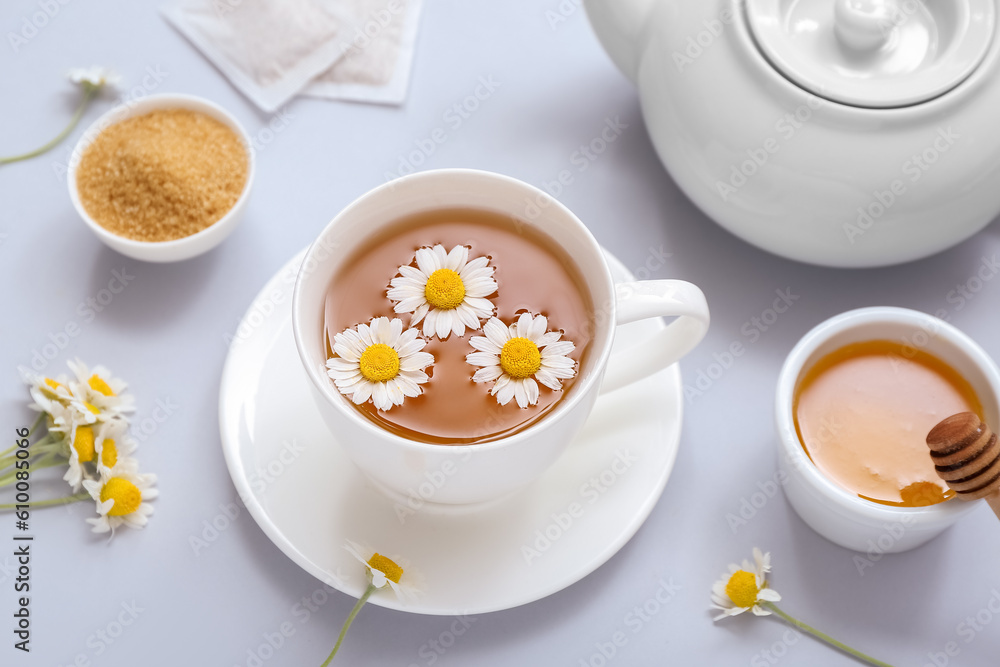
[(742, 589), (52, 385), (379, 363), (386, 566), (444, 289), (93, 408), (126, 495), (109, 453), (520, 358), (83, 443), (100, 386)]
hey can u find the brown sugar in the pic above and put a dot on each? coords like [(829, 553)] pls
[(163, 175)]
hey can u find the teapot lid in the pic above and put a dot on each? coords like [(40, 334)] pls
[(874, 53)]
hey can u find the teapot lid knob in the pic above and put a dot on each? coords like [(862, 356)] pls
[(874, 53), (863, 25)]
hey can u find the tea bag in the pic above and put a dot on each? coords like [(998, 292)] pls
[(269, 49), (378, 48)]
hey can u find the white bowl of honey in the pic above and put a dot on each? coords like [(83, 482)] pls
[(856, 398)]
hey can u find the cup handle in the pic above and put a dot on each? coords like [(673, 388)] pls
[(656, 298)]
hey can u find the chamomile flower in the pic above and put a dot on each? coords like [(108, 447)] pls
[(379, 361), (81, 444), (121, 499), (743, 588), (98, 387), (445, 290), (384, 571), (93, 77), (113, 449), (92, 80), (45, 391), (514, 357)]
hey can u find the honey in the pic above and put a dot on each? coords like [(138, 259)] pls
[(862, 414)]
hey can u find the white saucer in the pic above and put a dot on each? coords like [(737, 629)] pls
[(309, 498)]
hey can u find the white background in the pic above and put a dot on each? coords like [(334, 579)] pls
[(166, 334)]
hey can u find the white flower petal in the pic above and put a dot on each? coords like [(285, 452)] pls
[(487, 374), (484, 344), (443, 324), (530, 390), (456, 259), (426, 261), (380, 396), (537, 328), (558, 349), (496, 332), (520, 395), (523, 325), (546, 377), (362, 392), (416, 361), (482, 359)]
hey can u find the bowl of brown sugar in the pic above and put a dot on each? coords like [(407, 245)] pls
[(162, 179)]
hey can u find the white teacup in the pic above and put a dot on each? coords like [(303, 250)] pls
[(481, 472)]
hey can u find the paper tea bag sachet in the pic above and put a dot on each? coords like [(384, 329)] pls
[(269, 49), (377, 42)]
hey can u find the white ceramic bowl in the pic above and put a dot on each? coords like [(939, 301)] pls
[(831, 510), (178, 249)]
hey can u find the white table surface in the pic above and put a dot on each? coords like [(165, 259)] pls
[(166, 334)]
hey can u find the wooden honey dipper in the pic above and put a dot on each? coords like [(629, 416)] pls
[(966, 455)]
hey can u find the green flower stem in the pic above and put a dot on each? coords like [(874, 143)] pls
[(88, 94), (31, 430), (47, 503), (823, 636), (9, 460), (350, 619), (7, 479)]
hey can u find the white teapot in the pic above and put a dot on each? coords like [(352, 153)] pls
[(846, 133)]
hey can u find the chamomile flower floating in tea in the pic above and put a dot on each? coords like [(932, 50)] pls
[(744, 588), (121, 500), (380, 362), (445, 290), (514, 357)]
